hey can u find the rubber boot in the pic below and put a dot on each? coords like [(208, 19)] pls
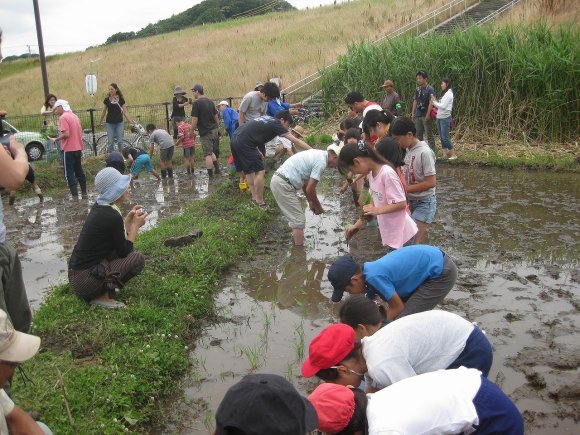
[(163, 173), (188, 170), (84, 190), (216, 166), (74, 191), (11, 200), (210, 172), (170, 172)]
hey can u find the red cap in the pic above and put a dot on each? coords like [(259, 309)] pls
[(334, 406), (329, 348)]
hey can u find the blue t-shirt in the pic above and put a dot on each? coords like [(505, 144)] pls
[(402, 271), (276, 105)]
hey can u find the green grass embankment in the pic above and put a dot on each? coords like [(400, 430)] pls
[(117, 365)]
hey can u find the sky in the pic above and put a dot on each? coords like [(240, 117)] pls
[(73, 25)]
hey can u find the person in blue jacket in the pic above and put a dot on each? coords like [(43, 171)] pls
[(229, 117), (411, 279)]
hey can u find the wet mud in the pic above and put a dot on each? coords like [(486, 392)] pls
[(514, 237)]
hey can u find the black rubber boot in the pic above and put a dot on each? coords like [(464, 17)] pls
[(74, 191), (210, 172), (188, 170), (163, 173), (170, 172), (216, 166), (84, 190), (11, 200)]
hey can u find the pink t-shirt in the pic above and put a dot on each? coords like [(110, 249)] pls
[(188, 140), (72, 124), (396, 228)]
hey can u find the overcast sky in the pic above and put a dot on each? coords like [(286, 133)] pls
[(73, 25)]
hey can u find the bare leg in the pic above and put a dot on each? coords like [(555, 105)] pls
[(298, 236), (259, 186), (423, 228), (250, 178)]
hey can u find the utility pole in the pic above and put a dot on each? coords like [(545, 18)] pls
[(40, 47)]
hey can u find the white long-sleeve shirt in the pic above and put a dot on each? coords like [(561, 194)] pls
[(445, 105)]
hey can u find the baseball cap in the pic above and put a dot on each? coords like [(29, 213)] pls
[(258, 85), (329, 348), (223, 102), (334, 148), (265, 404), (15, 346), (339, 275), (334, 406), (387, 83), (197, 88)]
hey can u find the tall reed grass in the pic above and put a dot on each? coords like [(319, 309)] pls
[(512, 82)]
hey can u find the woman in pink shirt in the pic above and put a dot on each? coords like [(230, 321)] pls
[(389, 201)]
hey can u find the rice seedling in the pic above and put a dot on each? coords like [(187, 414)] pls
[(253, 354), (299, 340)]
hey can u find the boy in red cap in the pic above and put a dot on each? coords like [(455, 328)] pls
[(441, 402)]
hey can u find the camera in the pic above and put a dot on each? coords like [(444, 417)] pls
[(142, 211)]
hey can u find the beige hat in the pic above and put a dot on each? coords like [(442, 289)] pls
[(387, 83), (298, 131), (15, 346), (334, 148)]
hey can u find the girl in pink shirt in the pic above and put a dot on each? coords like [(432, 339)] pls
[(389, 202)]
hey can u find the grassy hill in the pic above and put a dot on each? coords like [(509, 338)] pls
[(228, 58)]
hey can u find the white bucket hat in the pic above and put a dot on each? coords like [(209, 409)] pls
[(110, 184)]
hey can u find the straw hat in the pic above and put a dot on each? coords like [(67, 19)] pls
[(298, 131), (15, 346)]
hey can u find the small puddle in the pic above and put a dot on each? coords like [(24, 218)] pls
[(513, 235)]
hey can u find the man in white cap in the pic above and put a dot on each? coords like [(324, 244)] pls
[(13, 298), (302, 171), (15, 348), (229, 117), (71, 137)]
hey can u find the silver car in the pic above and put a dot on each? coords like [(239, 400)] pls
[(33, 142)]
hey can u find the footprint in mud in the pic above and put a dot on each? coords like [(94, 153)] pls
[(512, 276), (511, 317)]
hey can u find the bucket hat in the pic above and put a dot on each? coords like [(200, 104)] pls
[(110, 184)]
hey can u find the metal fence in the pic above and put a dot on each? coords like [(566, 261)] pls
[(94, 136)]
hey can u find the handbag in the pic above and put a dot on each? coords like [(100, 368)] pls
[(433, 114)]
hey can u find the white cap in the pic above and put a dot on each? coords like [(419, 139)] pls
[(223, 102)]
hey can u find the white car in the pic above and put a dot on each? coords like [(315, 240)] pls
[(33, 142)]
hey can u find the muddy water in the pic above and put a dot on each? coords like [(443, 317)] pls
[(514, 238), (45, 234)]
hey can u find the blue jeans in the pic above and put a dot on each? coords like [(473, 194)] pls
[(115, 131), (444, 125)]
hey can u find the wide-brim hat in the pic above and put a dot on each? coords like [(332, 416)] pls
[(16, 346), (179, 91), (298, 131), (110, 184)]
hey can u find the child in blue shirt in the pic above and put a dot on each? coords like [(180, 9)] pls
[(411, 279)]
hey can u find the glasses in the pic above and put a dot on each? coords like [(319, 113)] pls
[(350, 370)]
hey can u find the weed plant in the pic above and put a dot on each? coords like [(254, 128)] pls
[(509, 83), (116, 365)]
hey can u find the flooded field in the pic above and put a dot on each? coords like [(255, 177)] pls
[(514, 236)]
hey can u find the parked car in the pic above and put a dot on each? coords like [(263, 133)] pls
[(33, 142)]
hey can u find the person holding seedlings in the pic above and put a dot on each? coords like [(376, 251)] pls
[(15, 348), (103, 259), (388, 200), (391, 151), (444, 109), (114, 108), (420, 175), (139, 161), (249, 159), (204, 118), (50, 124), (230, 118), (166, 146), (71, 135), (415, 344), (419, 112), (411, 279), (301, 171), (458, 401), (264, 404), (186, 138)]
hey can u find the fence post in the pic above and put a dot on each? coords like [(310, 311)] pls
[(91, 115), (167, 115), (283, 95), (230, 100)]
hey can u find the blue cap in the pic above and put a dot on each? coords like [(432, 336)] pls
[(339, 275)]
